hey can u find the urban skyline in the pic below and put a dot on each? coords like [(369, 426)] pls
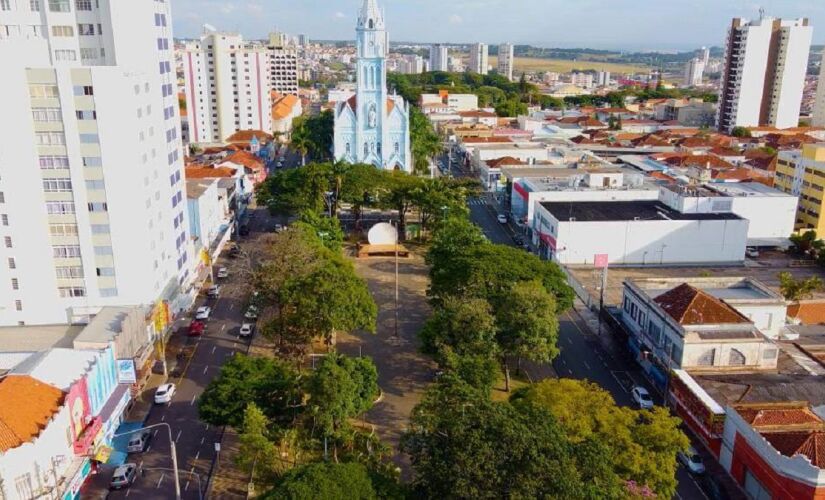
[(531, 22)]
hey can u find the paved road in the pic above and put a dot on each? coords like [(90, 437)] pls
[(583, 355)]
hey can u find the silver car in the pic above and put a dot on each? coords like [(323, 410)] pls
[(138, 442), (123, 476)]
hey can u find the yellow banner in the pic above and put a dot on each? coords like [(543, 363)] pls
[(103, 453)]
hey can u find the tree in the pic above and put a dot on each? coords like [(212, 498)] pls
[(453, 237), (462, 445), (400, 196), (439, 198), (740, 132), (642, 444), (805, 242), (528, 326), (257, 454), (424, 141), (340, 388), (798, 289), (291, 191), (269, 384), (328, 229), (314, 135), (326, 481)]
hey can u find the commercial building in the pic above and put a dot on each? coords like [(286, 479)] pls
[(227, 85), (583, 80), (479, 59), (283, 65), (802, 174), (819, 104), (445, 102), (439, 58), (411, 64), (687, 112), (764, 73), (694, 70), (93, 181), (506, 60), (209, 218), (636, 232)]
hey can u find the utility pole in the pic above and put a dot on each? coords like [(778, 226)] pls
[(397, 237), (172, 450)]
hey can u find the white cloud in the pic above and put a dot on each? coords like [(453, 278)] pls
[(455, 19), (254, 8), (340, 15)]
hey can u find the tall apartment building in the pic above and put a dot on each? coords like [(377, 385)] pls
[(505, 60), (439, 58), (92, 209), (603, 78), (694, 70), (764, 73), (705, 52), (227, 87), (819, 104), (479, 59), (411, 64), (283, 64), (802, 173), (583, 80)]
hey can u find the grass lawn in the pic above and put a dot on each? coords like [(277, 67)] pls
[(516, 382), (533, 64)]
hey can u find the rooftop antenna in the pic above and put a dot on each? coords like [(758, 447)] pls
[(761, 13)]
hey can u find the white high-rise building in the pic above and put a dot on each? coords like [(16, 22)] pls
[(694, 70), (227, 87), (819, 104), (505, 60), (479, 59), (705, 56), (411, 64), (764, 73), (603, 78), (439, 58), (92, 203), (583, 80), (283, 64)]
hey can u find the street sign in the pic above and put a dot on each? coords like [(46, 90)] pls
[(600, 260)]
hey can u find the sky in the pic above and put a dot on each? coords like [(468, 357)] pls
[(601, 24)]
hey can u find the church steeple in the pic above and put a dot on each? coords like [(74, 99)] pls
[(370, 17)]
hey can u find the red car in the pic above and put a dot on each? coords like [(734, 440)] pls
[(196, 328)]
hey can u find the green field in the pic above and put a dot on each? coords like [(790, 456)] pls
[(531, 64)]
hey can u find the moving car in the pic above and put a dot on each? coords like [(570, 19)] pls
[(164, 393), (203, 313), (196, 328), (251, 312), (139, 441), (223, 273), (692, 461), (123, 476), (642, 397), (247, 329), (502, 219)]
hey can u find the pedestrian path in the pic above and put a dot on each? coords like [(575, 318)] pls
[(477, 202)]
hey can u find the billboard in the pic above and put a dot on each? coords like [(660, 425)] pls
[(126, 373)]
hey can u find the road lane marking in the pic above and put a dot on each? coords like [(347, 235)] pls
[(570, 372), (586, 365), (193, 400), (186, 488), (140, 464), (223, 327), (160, 480), (569, 341), (213, 349), (613, 374), (148, 448), (203, 439), (127, 492), (154, 434), (163, 418), (205, 368), (198, 454), (207, 427), (178, 436)]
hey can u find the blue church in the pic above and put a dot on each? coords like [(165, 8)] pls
[(372, 127)]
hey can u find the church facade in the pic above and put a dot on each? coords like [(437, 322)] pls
[(373, 127)]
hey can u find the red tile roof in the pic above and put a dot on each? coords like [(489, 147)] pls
[(26, 407), (477, 114), (483, 140), (689, 160), (791, 413), (246, 159), (689, 305), (504, 161), (200, 172), (245, 136), (808, 443), (808, 312)]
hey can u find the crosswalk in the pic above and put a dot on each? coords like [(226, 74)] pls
[(478, 202)]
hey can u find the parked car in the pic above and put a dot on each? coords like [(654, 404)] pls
[(502, 218), (752, 252), (223, 273), (196, 328), (164, 393), (139, 441), (203, 313), (123, 476), (251, 312), (214, 292), (692, 461), (642, 397), (247, 329), (518, 240)]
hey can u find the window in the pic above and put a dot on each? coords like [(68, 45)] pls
[(707, 358), (69, 272), (97, 184), (86, 29), (103, 251), (62, 31), (12, 263), (60, 207), (4, 218), (108, 292), (50, 139), (41, 91), (59, 6), (63, 229), (83, 4), (18, 305), (57, 185), (80, 90), (89, 138), (98, 207), (66, 251), (34, 5), (769, 354), (65, 55), (87, 53), (15, 284), (7, 240), (106, 271), (736, 358), (67, 292), (46, 114), (53, 162), (5, 4), (86, 115), (92, 161)]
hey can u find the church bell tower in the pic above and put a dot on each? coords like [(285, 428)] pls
[(372, 46)]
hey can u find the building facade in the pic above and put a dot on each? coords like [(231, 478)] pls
[(506, 60), (439, 58), (802, 174), (372, 127), (819, 104), (479, 59), (411, 64), (764, 73), (227, 86), (92, 170), (283, 65), (694, 70)]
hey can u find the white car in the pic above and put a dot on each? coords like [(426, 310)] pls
[(692, 461), (223, 273), (203, 313), (642, 397), (246, 330), (502, 219), (164, 393), (123, 476), (251, 313), (752, 252)]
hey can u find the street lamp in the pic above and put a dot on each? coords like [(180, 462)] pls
[(172, 450)]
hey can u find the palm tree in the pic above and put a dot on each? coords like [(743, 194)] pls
[(301, 144)]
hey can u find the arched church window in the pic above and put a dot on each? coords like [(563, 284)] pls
[(366, 149), (348, 148), (378, 146), (370, 23), (397, 147)]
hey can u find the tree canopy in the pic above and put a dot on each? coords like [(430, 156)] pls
[(313, 135), (325, 481)]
